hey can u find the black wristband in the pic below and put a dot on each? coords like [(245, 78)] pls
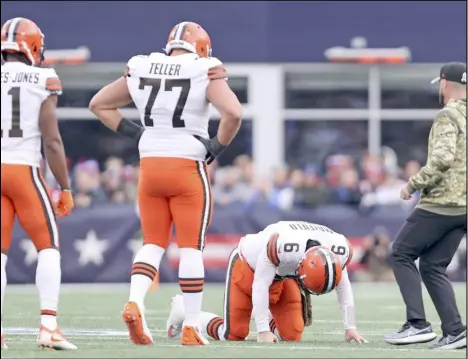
[(130, 129), (216, 146)]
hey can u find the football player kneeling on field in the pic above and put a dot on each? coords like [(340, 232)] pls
[(272, 275)]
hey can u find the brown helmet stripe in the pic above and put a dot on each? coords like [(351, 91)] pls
[(180, 31), (5, 32), (13, 29)]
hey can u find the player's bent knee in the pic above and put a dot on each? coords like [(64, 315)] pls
[(293, 333), (238, 333), (236, 338), (292, 337)]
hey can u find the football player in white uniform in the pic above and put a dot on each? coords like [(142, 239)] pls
[(29, 101), (172, 92), (271, 275)]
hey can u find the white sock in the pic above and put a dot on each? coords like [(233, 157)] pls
[(144, 270), (4, 279), (48, 278), (191, 281), (212, 325)]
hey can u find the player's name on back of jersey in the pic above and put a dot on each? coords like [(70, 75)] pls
[(158, 68), (308, 226), (23, 77)]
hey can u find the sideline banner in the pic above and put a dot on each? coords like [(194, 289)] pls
[(98, 244)]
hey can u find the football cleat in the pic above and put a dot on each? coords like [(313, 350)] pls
[(176, 317), (53, 339), (137, 329), (191, 336)]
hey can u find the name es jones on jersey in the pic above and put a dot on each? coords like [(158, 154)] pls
[(23, 77), (158, 68)]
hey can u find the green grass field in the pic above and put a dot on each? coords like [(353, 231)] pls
[(90, 316)]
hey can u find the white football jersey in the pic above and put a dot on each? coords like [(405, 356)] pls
[(170, 94), (271, 258), (24, 88), (288, 250)]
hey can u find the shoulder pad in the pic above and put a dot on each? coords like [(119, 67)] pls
[(133, 63)]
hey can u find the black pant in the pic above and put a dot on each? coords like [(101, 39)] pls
[(434, 239)]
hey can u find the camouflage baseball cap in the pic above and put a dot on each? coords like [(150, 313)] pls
[(453, 71)]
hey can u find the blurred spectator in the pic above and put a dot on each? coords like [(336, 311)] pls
[(228, 188), (348, 190), (305, 190), (280, 195), (411, 168), (113, 180), (375, 182), (374, 262), (87, 184)]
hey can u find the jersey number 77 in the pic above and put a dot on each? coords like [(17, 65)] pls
[(168, 85)]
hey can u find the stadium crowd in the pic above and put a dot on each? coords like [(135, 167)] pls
[(342, 179)]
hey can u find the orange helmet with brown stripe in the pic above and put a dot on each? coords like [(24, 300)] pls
[(319, 271), (190, 37), (21, 35)]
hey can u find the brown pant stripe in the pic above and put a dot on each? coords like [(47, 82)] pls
[(43, 205), (206, 214), (227, 296)]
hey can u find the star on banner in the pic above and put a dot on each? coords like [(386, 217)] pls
[(91, 249)]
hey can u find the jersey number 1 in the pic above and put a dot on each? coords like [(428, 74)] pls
[(155, 84), (16, 131)]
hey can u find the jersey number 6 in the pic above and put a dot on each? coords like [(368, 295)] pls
[(16, 131), (340, 250), (155, 84)]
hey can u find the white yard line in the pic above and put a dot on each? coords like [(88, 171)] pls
[(115, 334)]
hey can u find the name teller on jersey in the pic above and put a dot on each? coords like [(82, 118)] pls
[(172, 92)]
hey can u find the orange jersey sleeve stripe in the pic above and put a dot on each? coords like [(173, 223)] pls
[(272, 251), (53, 84), (218, 72)]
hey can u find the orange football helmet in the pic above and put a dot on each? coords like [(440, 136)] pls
[(23, 36), (319, 271), (191, 37)]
